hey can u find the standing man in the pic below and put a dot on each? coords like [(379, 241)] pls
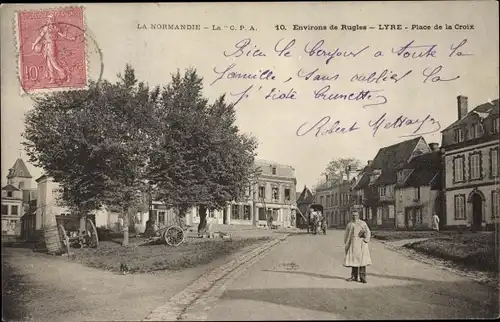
[(435, 222), (357, 254)]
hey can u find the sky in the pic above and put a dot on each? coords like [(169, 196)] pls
[(426, 96)]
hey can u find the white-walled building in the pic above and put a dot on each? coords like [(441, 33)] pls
[(418, 190), (472, 183), (18, 198), (272, 193)]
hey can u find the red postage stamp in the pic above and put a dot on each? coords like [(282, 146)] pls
[(52, 52)]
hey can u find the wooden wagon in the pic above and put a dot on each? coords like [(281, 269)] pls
[(71, 235), (172, 235)]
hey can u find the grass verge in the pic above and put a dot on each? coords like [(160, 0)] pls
[(400, 235), (476, 251), (144, 259)]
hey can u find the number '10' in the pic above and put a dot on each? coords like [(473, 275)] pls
[(31, 72), (280, 27)]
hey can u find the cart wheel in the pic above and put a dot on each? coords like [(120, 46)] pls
[(173, 236), (92, 232), (63, 236)]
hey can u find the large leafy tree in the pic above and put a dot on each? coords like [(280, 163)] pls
[(95, 143), (200, 158), (337, 167)]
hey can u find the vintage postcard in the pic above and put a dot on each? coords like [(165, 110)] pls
[(250, 161)]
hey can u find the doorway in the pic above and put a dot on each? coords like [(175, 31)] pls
[(477, 211), (409, 216)]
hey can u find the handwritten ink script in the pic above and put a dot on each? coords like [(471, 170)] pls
[(327, 125), (421, 62)]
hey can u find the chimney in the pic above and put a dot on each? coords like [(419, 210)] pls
[(369, 162), (462, 106), (326, 176), (434, 147)]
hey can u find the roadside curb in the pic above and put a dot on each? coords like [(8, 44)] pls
[(397, 244), (175, 306), (196, 311)]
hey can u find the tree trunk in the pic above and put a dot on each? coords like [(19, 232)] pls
[(203, 219), (125, 227)]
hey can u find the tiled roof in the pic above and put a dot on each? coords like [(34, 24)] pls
[(305, 200), (10, 187), (425, 166), (305, 197), (363, 182), (437, 181), (19, 169), (389, 159), (484, 110)]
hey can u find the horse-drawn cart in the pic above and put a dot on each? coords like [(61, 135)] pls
[(313, 219), (317, 219)]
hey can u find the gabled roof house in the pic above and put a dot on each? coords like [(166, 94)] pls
[(379, 178)]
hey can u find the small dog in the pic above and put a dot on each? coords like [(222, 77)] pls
[(124, 269)]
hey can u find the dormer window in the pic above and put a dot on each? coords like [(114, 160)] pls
[(375, 174), (9, 194), (474, 131), (400, 176), (495, 125), (273, 170), (459, 135)]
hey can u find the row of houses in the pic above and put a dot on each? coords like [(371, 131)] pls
[(24, 206), (406, 183)]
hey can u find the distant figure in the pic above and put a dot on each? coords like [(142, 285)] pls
[(435, 222), (357, 254), (270, 220)]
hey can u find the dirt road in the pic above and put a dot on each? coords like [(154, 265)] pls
[(303, 278)]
